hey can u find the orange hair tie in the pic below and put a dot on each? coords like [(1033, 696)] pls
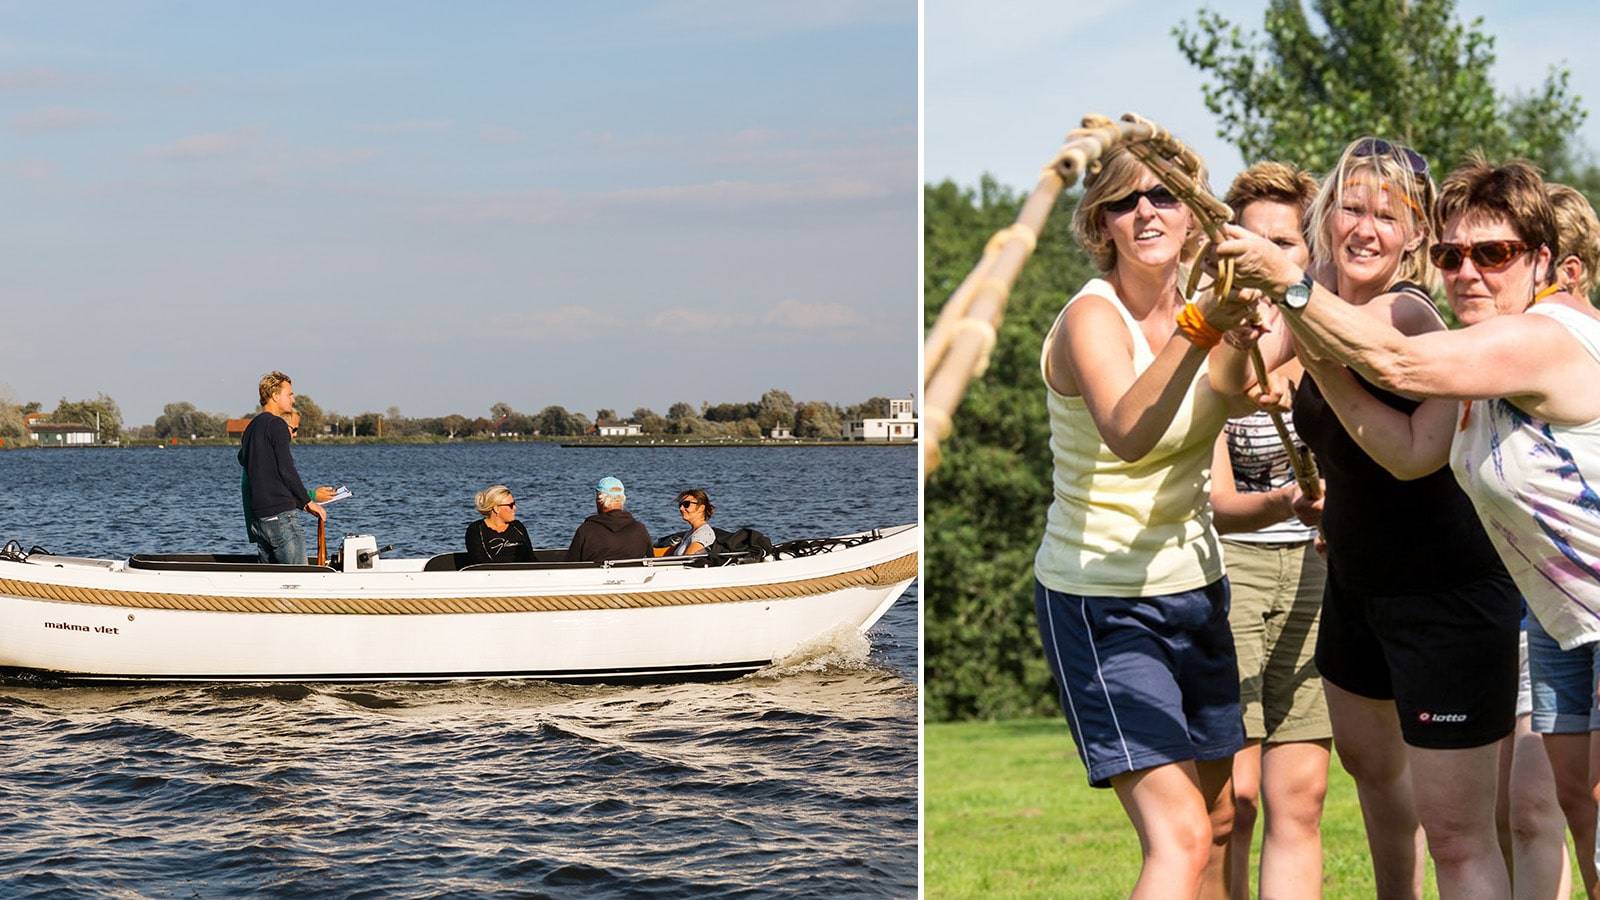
[(1195, 327)]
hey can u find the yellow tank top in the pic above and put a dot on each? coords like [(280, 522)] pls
[(1130, 529)]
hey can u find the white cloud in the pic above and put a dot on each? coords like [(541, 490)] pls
[(31, 79), (408, 126), (28, 169), (499, 134), (799, 316), (205, 146), (56, 118), (561, 323)]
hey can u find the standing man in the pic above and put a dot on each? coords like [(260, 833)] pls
[(612, 532), (275, 493)]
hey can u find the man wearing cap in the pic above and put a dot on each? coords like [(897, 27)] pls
[(612, 532)]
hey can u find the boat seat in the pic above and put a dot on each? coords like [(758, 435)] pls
[(446, 562)]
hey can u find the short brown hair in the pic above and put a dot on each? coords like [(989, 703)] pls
[(1274, 182), (1119, 172), (1578, 230), (270, 383), (1513, 191), (698, 495)]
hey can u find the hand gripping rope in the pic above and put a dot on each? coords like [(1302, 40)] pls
[(958, 345)]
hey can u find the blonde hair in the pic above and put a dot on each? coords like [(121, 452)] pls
[(1579, 232), (1119, 172), (1389, 166), (1274, 182), (269, 385), (490, 497)]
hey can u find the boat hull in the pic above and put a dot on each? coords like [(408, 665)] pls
[(96, 622)]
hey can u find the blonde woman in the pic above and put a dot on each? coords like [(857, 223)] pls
[(498, 537), (1130, 595)]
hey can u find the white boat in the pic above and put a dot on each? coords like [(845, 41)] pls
[(366, 618)]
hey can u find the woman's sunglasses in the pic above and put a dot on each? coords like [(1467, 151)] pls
[(1159, 197), (1487, 256), (685, 504), (1381, 147)]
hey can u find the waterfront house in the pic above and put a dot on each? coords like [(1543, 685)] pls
[(62, 434), (236, 427), (901, 425), (619, 429)]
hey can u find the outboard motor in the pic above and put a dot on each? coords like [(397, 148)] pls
[(359, 552)]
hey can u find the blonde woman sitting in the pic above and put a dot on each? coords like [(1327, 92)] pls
[(498, 537)]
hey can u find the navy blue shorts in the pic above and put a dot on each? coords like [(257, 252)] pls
[(1144, 681)]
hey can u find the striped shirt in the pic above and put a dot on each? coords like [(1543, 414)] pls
[(1261, 464)]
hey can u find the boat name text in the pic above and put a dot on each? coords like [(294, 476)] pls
[(68, 626)]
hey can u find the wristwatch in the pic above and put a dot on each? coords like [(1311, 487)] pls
[(1298, 294)]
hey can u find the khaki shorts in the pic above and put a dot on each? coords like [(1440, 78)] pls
[(1277, 602)]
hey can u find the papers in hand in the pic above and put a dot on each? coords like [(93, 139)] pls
[(339, 493)]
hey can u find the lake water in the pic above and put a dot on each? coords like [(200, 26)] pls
[(800, 781)]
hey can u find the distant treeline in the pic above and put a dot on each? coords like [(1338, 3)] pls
[(182, 420)]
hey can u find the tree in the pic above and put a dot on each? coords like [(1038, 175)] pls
[(10, 415), (985, 505), (311, 416), (500, 410), (1405, 70), (84, 412), (454, 424), (874, 408), (649, 422), (818, 420), (555, 420), (605, 417), (680, 410), (182, 420)]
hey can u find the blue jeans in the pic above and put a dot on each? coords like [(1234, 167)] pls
[(1563, 683), (280, 539)]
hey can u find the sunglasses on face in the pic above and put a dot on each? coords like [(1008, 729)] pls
[(512, 504), (1159, 197), (1380, 147), (1487, 256), (685, 504)]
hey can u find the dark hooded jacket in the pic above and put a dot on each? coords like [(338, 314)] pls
[(614, 534)]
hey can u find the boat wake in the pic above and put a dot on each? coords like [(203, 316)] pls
[(844, 649)]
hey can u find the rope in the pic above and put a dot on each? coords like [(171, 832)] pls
[(882, 575)]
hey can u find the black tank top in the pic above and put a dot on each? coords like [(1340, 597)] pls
[(1388, 536)]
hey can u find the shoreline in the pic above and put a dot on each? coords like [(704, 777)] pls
[(565, 441)]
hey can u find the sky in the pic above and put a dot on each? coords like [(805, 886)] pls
[(443, 206), (1004, 83)]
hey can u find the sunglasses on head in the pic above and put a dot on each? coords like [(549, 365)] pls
[(1487, 256), (1380, 147), (1159, 197)]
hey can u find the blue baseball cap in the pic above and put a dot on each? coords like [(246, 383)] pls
[(608, 485)]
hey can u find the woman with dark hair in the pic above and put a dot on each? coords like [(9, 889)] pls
[(695, 508), (1130, 595), (1520, 429)]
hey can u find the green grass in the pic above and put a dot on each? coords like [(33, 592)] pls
[(1009, 813)]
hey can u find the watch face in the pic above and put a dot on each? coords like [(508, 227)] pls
[(1297, 296)]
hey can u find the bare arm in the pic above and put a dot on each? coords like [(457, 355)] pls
[(1526, 359), (1407, 446), (1232, 511), (1093, 348)]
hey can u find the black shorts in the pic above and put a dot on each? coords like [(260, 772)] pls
[(1447, 658)]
